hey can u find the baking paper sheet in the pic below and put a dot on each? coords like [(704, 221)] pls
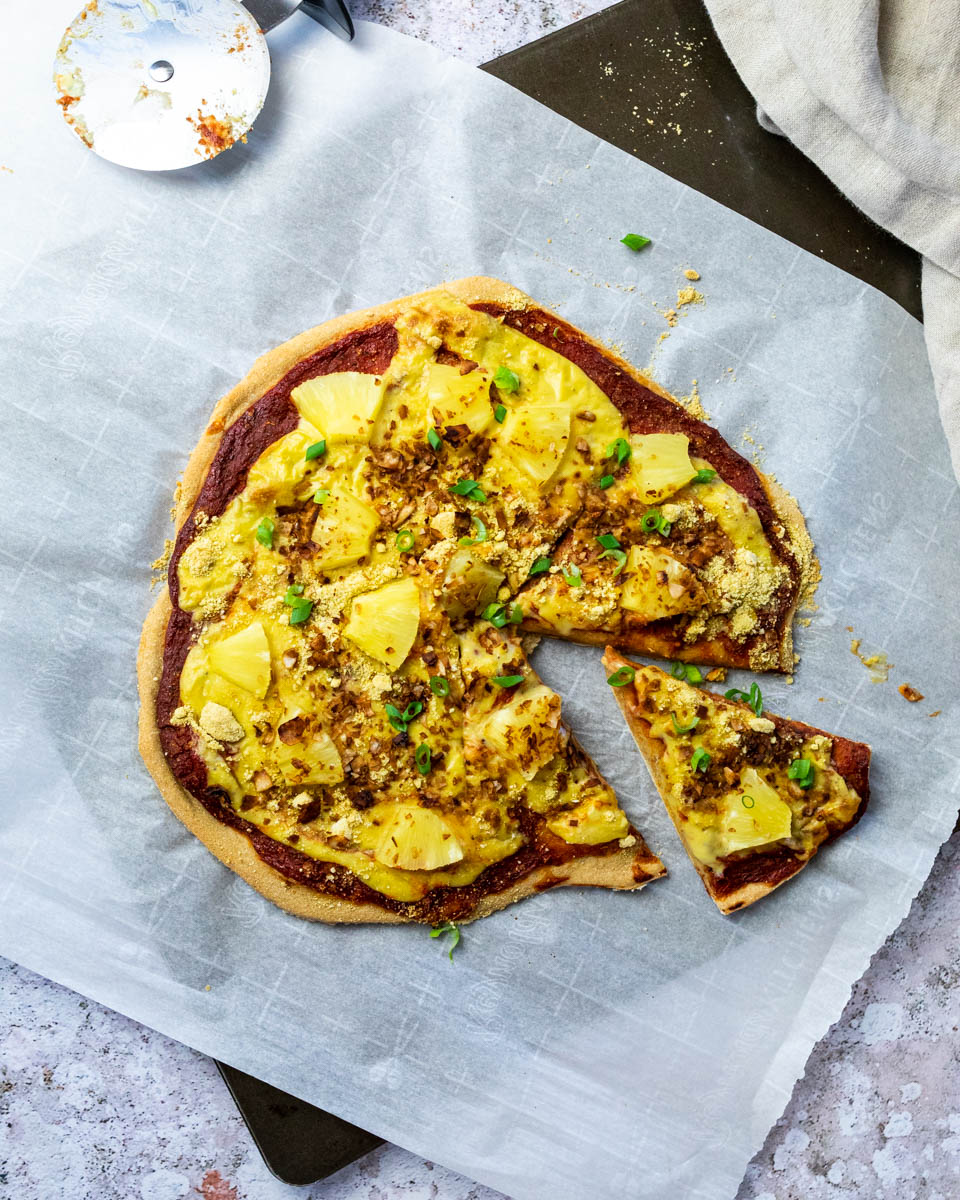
[(585, 1043)]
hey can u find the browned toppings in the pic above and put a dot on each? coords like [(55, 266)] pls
[(909, 693)]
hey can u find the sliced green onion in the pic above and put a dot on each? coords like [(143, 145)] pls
[(700, 759), (470, 489), (556, 331), (743, 800), (506, 380), (621, 677), (321, 495), (802, 770), (506, 681), (606, 481), (618, 556), (405, 541), (439, 686), (400, 720), (608, 541), (653, 521), (619, 449), (316, 450), (540, 565), (573, 577), (434, 438), (704, 475), (422, 757), (479, 529), (635, 241), (264, 533), (515, 615), (686, 671), (293, 591), (499, 413), (688, 728), (451, 928), (753, 698), (300, 611)]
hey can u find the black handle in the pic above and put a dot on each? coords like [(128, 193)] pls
[(332, 14)]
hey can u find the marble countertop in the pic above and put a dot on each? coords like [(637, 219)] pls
[(97, 1107)]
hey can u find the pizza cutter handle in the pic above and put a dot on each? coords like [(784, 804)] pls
[(332, 14)]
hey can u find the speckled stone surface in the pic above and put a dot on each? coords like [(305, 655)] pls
[(96, 1107)]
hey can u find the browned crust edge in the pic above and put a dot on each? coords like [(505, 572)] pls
[(767, 870), (626, 869)]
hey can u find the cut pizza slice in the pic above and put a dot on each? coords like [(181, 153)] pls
[(752, 795)]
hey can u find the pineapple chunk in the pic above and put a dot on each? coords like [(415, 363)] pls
[(660, 464), (343, 406), (455, 399), (244, 659), (590, 824), (417, 839), (342, 530), (316, 752), (384, 623), (743, 825), (658, 585), (535, 439), (470, 584), (525, 732)]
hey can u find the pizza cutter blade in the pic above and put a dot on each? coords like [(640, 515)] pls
[(161, 84)]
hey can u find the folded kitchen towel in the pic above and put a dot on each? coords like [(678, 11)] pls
[(870, 91)]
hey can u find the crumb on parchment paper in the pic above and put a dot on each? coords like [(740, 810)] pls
[(910, 693), (876, 664)]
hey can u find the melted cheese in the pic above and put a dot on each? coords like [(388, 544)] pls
[(308, 679)]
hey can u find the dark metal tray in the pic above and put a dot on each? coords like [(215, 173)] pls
[(609, 74)]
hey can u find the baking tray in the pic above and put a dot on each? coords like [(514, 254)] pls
[(651, 77)]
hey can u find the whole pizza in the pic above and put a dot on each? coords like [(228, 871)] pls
[(374, 528)]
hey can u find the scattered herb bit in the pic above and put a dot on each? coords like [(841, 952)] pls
[(635, 241), (423, 758), (704, 475), (499, 413), (506, 380), (753, 697), (506, 681), (264, 533), (316, 450), (540, 565), (802, 770), (293, 591), (451, 928), (744, 801), (556, 331), (618, 556), (405, 541), (321, 496), (479, 529), (516, 614), (688, 728), (498, 614), (439, 686), (653, 521), (686, 671), (622, 676), (434, 438), (400, 720), (620, 449), (573, 577), (470, 489), (300, 611), (606, 481), (608, 541), (700, 759)]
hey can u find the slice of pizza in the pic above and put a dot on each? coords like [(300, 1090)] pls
[(335, 694), (752, 795)]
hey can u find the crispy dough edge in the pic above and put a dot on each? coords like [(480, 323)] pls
[(230, 846), (747, 893)]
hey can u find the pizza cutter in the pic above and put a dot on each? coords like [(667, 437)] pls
[(163, 84)]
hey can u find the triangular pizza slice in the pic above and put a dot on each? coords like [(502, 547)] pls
[(752, 795)]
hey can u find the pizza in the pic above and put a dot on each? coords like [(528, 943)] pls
[(376, 523), (753, 796)]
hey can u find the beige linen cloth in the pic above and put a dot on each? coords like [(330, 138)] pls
[(870, 91)]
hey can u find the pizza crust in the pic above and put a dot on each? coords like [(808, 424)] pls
[(618, 871)]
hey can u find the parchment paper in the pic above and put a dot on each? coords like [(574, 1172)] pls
[(583, 1044)]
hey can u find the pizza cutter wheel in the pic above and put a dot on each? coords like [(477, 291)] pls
[(163, 84)]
